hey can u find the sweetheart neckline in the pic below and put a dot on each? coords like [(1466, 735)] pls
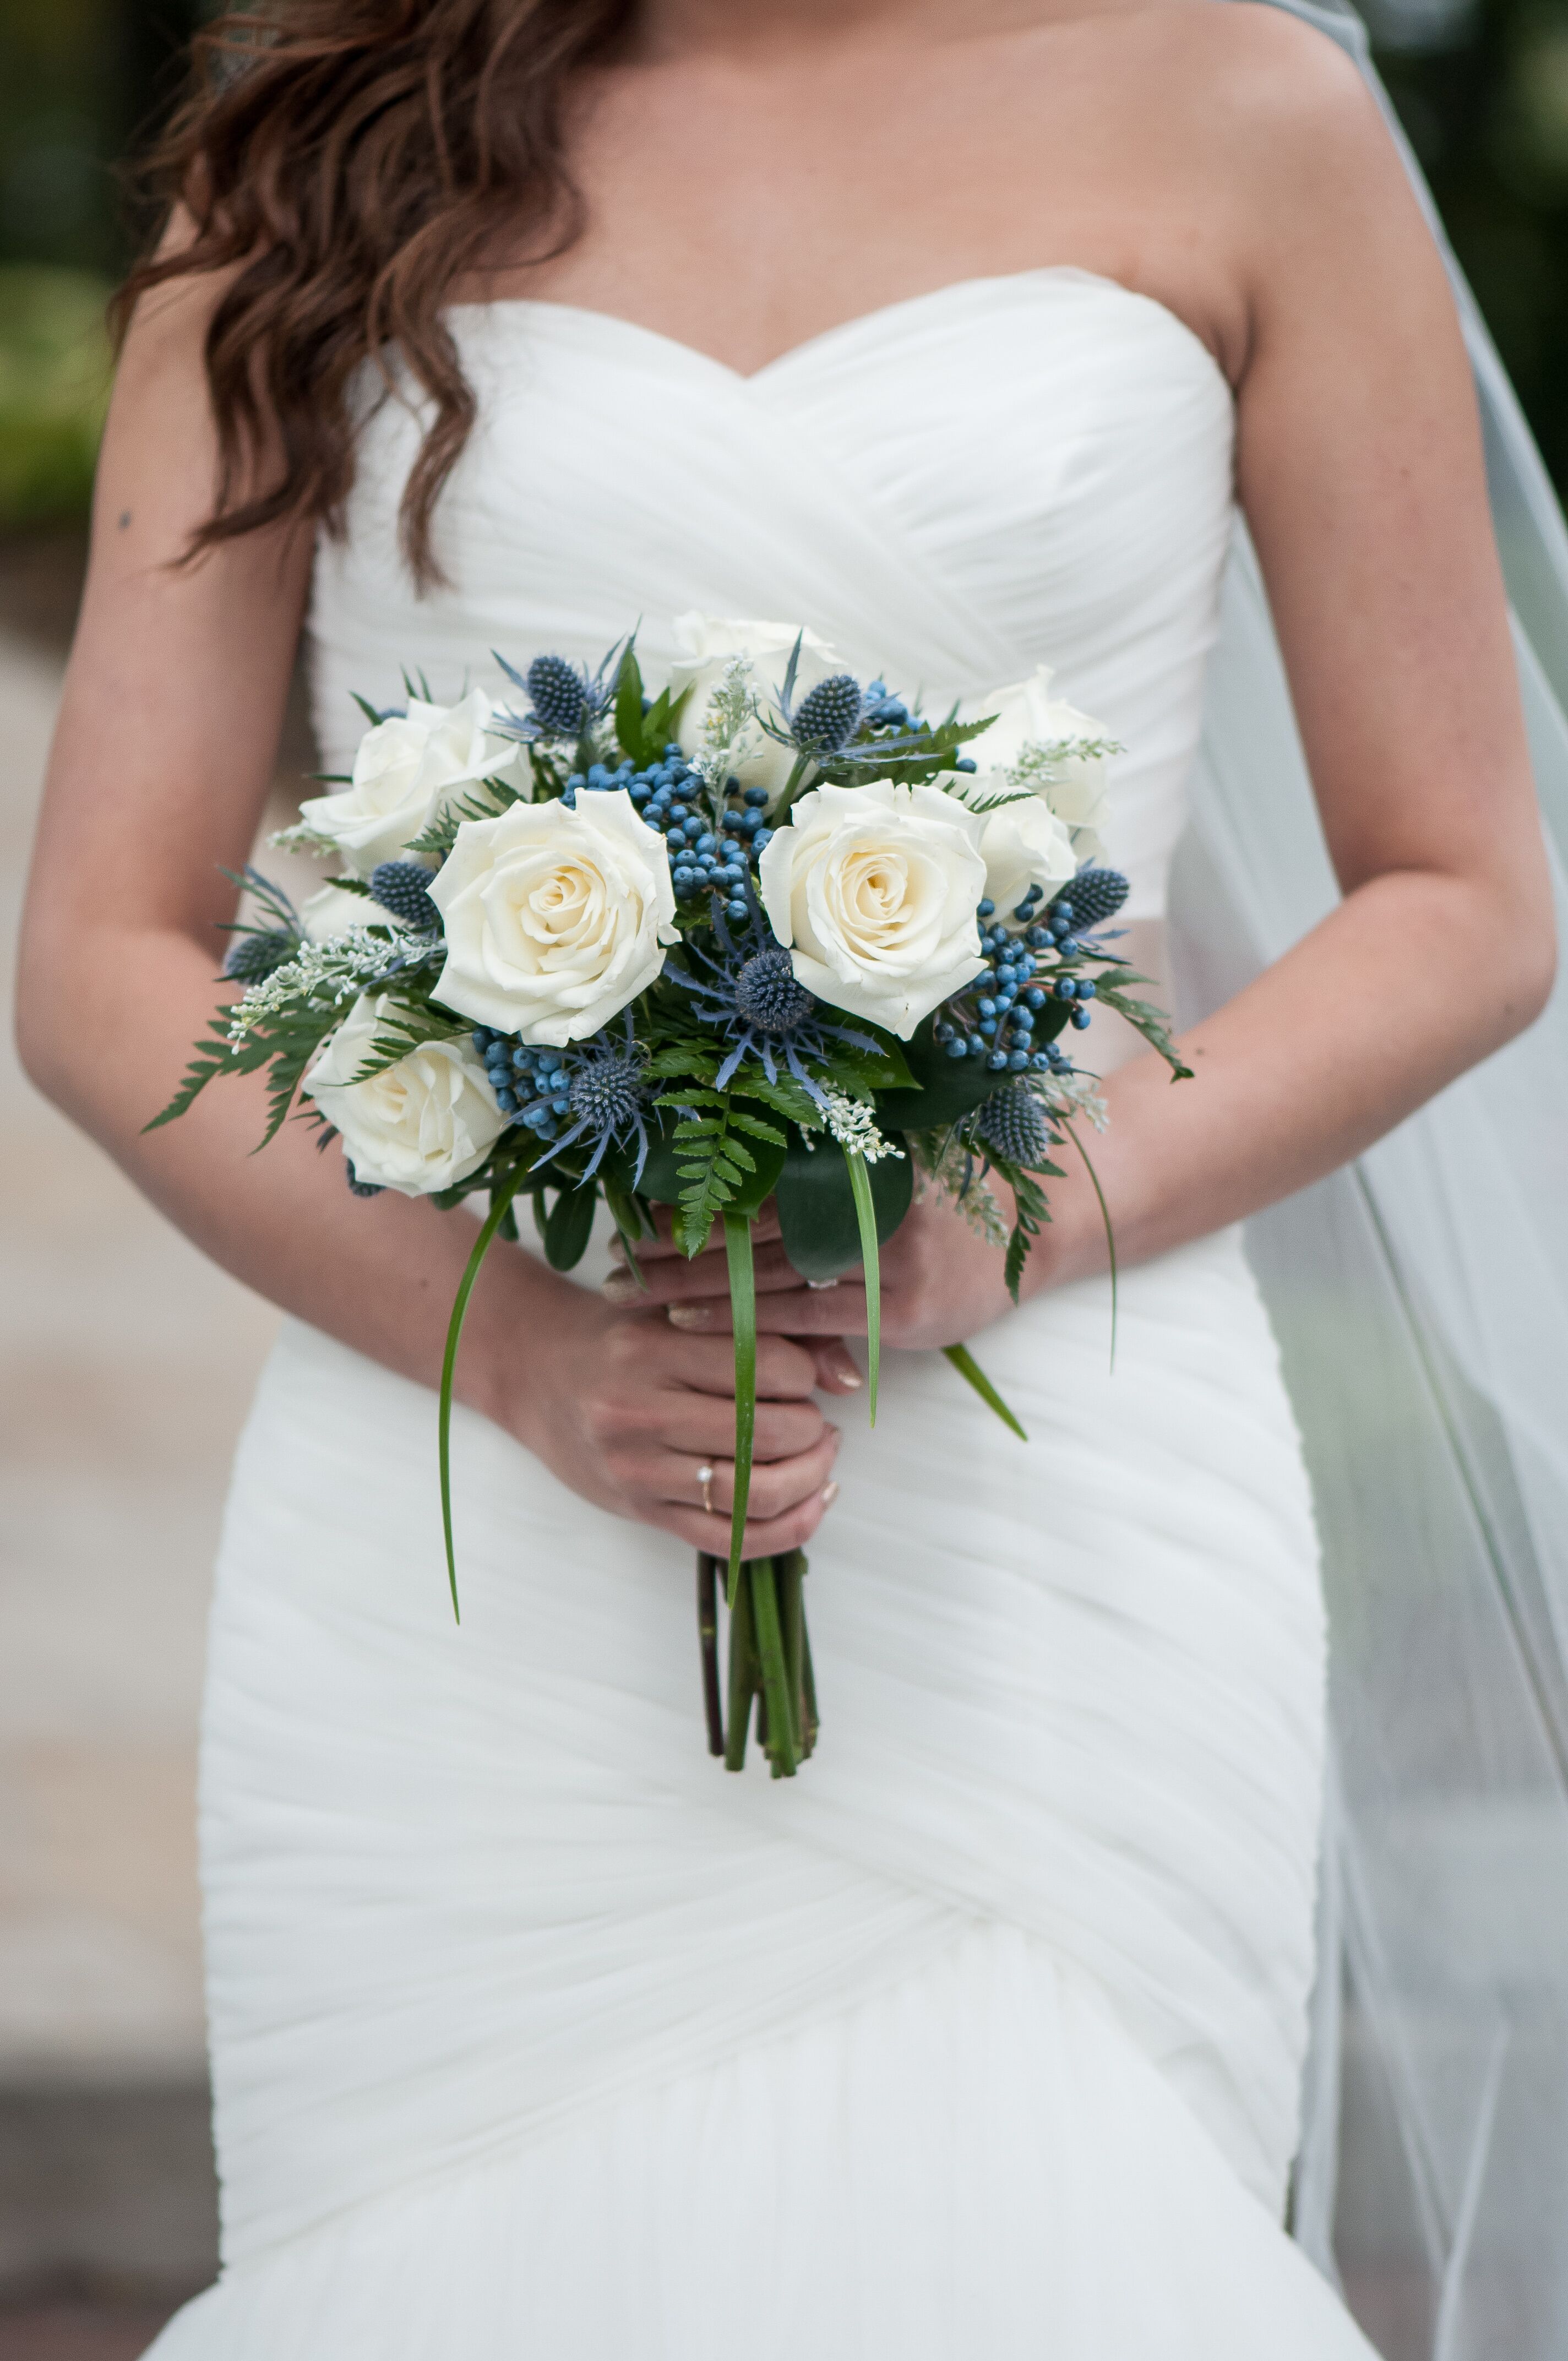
[(882, 312)]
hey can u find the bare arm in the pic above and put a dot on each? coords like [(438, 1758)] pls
[(1360, 476), (165, 747)]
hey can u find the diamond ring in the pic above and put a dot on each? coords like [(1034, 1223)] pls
[(705, 1477)]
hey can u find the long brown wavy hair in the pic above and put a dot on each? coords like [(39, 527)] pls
[(347, 161)]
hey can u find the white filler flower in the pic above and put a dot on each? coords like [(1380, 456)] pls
[(405, 772), (419, 1126), (874, 888), (554, 916), (707, 644)]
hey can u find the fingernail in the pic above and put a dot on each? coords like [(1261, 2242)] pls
[(829, 1494), (850, 1376), (689, 1315), (621, 1287)]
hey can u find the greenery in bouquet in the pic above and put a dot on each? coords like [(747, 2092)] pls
[(763, 932)]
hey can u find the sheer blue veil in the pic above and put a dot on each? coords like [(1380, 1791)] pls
[(1421, 1301)]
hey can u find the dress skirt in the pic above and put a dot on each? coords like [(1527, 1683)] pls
[(536, 2034)]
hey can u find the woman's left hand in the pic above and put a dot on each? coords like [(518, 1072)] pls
[(940, 1283)]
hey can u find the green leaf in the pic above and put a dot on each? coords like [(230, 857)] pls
[(817, 1206), (969, 1368), (743, 1317), (945, 1088), (568, 1226), (499, 1202), (871, 1260), (629, 719)]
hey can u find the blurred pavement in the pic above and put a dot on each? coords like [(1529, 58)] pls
[(126, 1363)]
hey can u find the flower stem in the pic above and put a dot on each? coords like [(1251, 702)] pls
[(783, 1745), (870, 1263), (501, 1205), (743, 1312), (708, 1631), (742, 1679)]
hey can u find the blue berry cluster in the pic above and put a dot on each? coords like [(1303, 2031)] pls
[(531, 1086), (1006, 996), (885, 710), (702, 859)]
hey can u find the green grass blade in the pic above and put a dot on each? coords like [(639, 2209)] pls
[(744, 1312), (501, 1202), (870, 1262), (969, 1368), (1110, 1233)]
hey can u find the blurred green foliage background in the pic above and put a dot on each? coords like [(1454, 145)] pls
[(1481, 85)]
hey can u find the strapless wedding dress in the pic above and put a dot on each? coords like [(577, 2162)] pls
[(533, 2033)]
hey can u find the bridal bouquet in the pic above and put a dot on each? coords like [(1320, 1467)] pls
[(764, 931)]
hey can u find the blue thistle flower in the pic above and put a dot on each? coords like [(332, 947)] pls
[(595, 1090), (403, 888), (827, 716), (357, 1188), (750, 992), (1015, 1126), (251, 959), (558, 694), (1094, 895)]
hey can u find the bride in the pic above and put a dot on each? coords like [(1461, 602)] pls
[(956, 329)]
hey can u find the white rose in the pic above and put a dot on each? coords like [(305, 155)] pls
[(707, 643), (874, 888), (405, 772), (419, 1126), (1024, 844), (1029, 719), (554, 916), (330, 912)]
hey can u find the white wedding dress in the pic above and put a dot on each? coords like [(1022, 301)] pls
[(534, 2034)]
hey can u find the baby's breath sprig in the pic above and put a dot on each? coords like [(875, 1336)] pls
[(326, 975), (854, 1126)]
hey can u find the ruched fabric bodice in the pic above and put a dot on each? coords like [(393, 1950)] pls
[(536, 2035), (1002, 474)]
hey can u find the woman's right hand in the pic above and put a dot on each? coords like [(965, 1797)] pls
[(627, 1411)]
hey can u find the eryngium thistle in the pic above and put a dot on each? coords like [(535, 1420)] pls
[(1012, 1124), (251, 959), (357, 1188), (607, 1092), (767, 993), (404, 888), (1094, 895), (555, 690), (829, 715)]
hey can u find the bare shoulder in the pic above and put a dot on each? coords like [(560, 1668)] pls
[(1276, 114)]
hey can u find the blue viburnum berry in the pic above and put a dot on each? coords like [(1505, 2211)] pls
[(829, 715), (559, 699), (403, 888), (1094, 895), (251, 959), (1012, 1124)]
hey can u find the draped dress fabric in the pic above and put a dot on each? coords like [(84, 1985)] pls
[(534, 2034)]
